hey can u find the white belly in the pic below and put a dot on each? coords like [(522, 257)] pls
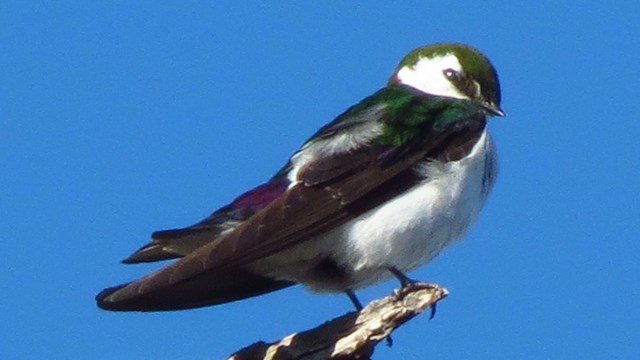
[(405, 232)]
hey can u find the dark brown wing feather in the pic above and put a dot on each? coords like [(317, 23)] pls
[(176, 243)]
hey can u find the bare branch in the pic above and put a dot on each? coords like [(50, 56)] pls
[(351, 336)]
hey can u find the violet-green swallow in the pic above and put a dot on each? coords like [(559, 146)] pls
[(377, 192)]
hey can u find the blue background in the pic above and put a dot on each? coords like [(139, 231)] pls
[(121, 118)]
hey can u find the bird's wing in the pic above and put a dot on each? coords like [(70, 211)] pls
[(175, 243), (328, 191)]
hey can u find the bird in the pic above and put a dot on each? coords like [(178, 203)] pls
[(374, 194)]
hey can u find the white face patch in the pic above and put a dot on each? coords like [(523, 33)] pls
[(427, 75)]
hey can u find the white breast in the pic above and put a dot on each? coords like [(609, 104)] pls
[(413, 228)]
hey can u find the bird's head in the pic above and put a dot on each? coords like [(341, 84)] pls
[(451, 70)]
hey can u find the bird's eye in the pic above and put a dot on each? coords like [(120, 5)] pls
[(452, 75), (463, 82)]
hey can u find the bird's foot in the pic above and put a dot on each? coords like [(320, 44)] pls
[(408, 285)]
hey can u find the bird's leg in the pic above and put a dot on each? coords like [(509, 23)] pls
[(354, 299), (405, 281), (407, 284)]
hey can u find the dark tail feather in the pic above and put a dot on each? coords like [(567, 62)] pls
[(172, 244), (203, 290)]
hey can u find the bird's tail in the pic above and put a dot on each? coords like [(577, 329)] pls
[(205, 289)]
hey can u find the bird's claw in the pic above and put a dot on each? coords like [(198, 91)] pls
[(389, 341), (433, 312)]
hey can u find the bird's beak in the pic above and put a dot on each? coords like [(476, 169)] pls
[(493, 109)]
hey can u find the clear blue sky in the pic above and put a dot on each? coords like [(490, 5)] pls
[(122, 118)]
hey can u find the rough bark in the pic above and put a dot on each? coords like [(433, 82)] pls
[(351, 336)]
